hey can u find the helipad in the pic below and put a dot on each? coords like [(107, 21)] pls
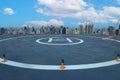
[(59, 41), (38, 56)]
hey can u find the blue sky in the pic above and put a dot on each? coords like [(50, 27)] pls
[(101, 13)]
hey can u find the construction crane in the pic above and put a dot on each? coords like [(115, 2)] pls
[(117, 24), (117, 27)]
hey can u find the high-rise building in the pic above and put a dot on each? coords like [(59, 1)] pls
[(89, 28), (64, 30), (111, 30), (37, 30), (76, 31), (2, 31), (61, 29), (81, 29), (119, 26), (86, 28), (102, 31), (67, 30), (26, 30), (57, 30), (117, 32), (20, 30), (52, 30), (42, 30), (31, 31)]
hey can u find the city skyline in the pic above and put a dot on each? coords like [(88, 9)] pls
[(59, 12)]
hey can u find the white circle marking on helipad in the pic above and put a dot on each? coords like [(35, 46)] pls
[(73, 43)]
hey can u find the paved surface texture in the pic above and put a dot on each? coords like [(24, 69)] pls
[(92, 50)]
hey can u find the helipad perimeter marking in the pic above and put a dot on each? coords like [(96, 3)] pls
[(57, 67), (70, 42), (110, 39)]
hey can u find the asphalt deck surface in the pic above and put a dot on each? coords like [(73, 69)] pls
[(27, 50)]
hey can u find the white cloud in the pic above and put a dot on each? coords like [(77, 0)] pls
[(8, 11), (77, 9), (53, 22), (60, 8), (108, 14), (63, 4), (111, 11)]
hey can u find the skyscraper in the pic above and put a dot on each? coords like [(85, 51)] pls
[(86, 28), (111, 30), (67, 30), (81, 28), (76, 31), (64, 30), (2, 31), (119, 30), (89, 28), (119, 26), (61, 29)]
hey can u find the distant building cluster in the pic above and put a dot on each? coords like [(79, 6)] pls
[(112, 31), (82, 29)]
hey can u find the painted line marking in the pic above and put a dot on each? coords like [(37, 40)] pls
[(69, 40), (5, 39), (114, 40), (79, 42), (50, 40), (57, 67), (109, 38), (105, 38)]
